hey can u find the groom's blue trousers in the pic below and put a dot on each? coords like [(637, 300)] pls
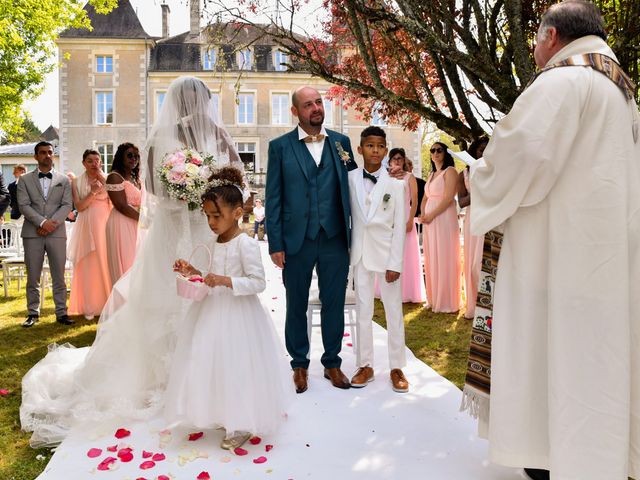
[(331, 257)]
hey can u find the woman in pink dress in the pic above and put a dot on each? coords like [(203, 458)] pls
[(412, 279), (473, 244), (441, 235), (123, 185), (91, 283)]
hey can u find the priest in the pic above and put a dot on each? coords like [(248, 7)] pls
[(561, 179)]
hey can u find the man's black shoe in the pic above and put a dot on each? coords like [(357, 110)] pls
[(31, 321), (537, 474), (65, 320)]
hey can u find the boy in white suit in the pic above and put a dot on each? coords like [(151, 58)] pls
[(377, 243)]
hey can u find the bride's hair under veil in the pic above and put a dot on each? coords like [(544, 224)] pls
[(123, 375)]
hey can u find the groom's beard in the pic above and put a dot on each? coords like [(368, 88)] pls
[(316, 122)]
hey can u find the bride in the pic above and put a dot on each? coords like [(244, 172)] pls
[(124, 373)]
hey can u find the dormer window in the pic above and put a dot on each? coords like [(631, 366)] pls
[(280, 59), (209, 58), (104, 64), (245, 59)]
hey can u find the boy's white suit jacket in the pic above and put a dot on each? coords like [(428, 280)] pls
[(377, 235)]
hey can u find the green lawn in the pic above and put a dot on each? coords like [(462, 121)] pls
[(440, 340)]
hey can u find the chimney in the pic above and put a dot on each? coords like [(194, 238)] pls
[(194, 30), (165, 19)]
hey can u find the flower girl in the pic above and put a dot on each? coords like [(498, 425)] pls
[(229, 369)]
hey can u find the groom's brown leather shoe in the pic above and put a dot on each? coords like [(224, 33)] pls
[(338, 379), (300, 379)]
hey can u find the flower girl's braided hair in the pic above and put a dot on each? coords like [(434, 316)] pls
[(226, 184)]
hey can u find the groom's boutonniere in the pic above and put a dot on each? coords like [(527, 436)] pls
[(385, 200), (344, 155)]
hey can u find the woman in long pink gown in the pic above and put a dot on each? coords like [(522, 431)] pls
[(441, 234), (473, 244), (412, 279), (91, 283), (123, 185)]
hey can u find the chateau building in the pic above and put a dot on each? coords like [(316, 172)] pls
[(113, 79)]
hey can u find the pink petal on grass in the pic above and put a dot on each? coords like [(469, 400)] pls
[(204, 476), (260, 460), (146, 454), (158, 457), (195, 436), (147, 465), (240, 451), (94, 452), (4, 392), (268, 448), (255, 440), (104, 464), (122, 433)]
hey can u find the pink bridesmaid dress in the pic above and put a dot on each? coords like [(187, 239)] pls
[(441, 245), (412, 279), (91, 283), (122, 232), (473, 246)]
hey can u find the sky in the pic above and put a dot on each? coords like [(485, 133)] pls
[(44, 110)]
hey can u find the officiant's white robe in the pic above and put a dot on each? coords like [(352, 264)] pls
[(562, 175)]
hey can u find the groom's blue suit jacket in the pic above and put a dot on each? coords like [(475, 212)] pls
[(291, 179)]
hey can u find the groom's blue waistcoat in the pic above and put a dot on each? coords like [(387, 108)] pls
[(325, 207)]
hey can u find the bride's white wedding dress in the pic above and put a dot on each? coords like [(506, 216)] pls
[(124, 373)]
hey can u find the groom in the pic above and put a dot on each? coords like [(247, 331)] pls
[(307, 211)]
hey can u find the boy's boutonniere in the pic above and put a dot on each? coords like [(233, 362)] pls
[(385, 200), (344, 155)]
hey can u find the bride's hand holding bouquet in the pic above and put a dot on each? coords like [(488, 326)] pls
[(184, 173)]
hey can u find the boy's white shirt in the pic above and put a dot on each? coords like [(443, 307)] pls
[(377, 230)]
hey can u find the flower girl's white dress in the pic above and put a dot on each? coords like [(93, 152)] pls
[(229, 367)]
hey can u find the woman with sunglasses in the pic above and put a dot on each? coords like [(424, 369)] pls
[(123, 186), (473, 244), (441, 237)]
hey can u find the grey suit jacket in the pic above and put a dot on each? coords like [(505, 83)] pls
[(35, 208)]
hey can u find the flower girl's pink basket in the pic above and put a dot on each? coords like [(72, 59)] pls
[(193, 288)]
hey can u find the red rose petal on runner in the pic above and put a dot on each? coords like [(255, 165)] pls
[(349, 344), (255, 440), (204, 476), (346, 334), (260, 460), (146, 454), (147, 465), (94, 452), (240, 451), (158, 457), (268, 448), (122, 433), (104, 464), (112, 448), (195, 436), (125, 457), (163, 477)]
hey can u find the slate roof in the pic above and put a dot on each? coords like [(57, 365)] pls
[(21, 149), (121, 22)]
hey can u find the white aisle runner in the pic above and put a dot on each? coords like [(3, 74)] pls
[(331, 434)]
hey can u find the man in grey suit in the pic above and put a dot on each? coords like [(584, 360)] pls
[(44, 198)]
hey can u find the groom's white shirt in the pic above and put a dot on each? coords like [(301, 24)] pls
[(378, 222)]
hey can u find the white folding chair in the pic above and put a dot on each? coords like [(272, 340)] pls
[(315, 307), (13, 268), (10, 241)]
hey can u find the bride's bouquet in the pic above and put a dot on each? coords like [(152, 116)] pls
[(184, 173)]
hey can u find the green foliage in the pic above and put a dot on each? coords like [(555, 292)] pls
[(28, 29), (26, 132)]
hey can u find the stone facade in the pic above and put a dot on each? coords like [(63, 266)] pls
[(112, 82)]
